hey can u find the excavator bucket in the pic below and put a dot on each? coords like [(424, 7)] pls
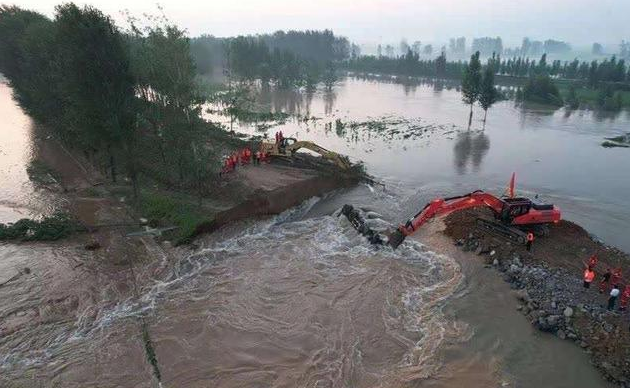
[(396, 238), (374, 237)]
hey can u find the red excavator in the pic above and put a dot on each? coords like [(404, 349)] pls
[(514, 216)]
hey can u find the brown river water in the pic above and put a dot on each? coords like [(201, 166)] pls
[(299, 300)]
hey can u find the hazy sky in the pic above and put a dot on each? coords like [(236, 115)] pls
[(372, 21)]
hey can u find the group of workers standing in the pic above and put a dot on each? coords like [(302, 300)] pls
[(243, 157), (610, 283)]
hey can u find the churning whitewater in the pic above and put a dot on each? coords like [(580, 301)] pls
[(287, 302)]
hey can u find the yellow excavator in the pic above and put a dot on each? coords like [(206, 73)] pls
[(288, 146)]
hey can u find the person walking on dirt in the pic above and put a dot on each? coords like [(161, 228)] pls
[(614, 294), (530, 241), (603, 285), (589, 276)]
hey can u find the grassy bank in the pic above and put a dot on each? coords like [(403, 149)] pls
[(174, 209)]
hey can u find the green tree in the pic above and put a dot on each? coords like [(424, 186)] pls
[(572, 98), (330, 76), (169, 102), (541, 89), (97, 83), (488, 92), (471, 83), (608, 99)]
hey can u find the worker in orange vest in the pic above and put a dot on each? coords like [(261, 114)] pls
[(530, 241), (589, 276), (625, 297)]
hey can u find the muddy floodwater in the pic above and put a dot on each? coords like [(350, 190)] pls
[(300, 300)]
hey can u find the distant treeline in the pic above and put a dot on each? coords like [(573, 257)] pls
[(409, 64), (127, 100), (609, 70), (287, 59)]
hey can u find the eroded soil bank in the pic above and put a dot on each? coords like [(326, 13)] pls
[(549, 287)]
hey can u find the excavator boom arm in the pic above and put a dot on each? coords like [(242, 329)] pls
[(332, 156), (443, 206)]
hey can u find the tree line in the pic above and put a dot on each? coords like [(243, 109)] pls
[(409, 64), (286, 59), (127, 100), (608, 70)]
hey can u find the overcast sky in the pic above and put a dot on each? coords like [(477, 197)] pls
[(580, 22)]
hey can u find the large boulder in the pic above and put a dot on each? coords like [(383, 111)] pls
[(568, 312)]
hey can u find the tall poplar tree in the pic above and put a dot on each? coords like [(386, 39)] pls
[(471, 83), (488, 94)]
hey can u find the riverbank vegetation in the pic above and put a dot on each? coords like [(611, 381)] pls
[(127, 102), (50, 228), (130, 101)]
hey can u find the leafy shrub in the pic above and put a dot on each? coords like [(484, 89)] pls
[(162, 209), (55, 227), (542, 90)]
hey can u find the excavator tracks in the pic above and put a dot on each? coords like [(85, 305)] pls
[(508, 232)]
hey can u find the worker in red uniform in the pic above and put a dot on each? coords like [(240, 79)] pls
[(592, 261), (603, 285), (530, 241), (589, 276), (226, 167), (234, 160), (625, 297)]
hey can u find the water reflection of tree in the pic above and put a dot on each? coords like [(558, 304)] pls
[(329, 101), (281, 100), (410, 84), (469, 150), (308, 102), (409, 87)]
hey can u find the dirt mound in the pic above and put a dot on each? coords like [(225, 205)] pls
[(568, 244)]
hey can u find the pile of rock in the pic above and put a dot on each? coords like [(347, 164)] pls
[(555, 301)]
